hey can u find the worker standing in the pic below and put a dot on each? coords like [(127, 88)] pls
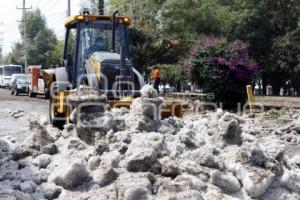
[(156, 78)]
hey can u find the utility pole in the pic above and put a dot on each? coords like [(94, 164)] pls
[(1, 44), (23, 8), (69, 8), (1, 48), (101, 7)]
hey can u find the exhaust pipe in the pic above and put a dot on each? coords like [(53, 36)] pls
[(101, 7), (114, 31)]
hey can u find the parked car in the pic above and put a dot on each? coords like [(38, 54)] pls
[(19, 85), (14, 76)]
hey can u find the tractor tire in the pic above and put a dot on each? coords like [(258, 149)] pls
[(56, 119)]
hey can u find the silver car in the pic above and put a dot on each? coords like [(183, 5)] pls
[(19, 85)]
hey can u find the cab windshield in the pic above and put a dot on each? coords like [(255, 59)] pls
[(97, 37)]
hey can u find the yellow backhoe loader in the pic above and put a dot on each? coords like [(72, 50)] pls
[(96, 54)]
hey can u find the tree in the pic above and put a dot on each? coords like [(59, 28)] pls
[(92, 5), (170, 27), (260, 23), (55, 56), (40, 41), (16, 56), (148, 46), (286, 52), (286, 59), (189, 19), (147, 51), (44, 43), (171, 74)]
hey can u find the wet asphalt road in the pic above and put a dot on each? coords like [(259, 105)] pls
[(18, 127)]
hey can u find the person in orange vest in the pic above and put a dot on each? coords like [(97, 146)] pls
[(156, 78)]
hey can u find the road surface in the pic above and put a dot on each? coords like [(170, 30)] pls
[(18, 127), (278, 102)]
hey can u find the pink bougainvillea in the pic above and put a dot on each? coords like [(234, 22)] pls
[(223, 68), (233, 58)]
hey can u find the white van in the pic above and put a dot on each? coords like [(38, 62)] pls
[(6, 71)]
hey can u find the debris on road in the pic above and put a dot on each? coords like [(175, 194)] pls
[(135, 156), (17, 113)]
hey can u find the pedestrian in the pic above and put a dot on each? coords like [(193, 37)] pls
[(287, 87), (292, 91), (256, 89), (269, 90), (156, 78), (281, 92)]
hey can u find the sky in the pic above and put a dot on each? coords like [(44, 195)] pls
[(53, 10)]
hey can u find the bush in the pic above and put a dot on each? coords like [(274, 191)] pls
[(224, 69), (171, 74)]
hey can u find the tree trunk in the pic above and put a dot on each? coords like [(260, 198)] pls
[(178, 87)]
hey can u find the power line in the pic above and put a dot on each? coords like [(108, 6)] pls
[(51, 18), (24, 8), (43, 40), (1, 43), (50, 6)]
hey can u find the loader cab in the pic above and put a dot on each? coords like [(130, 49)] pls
[(88, 34)]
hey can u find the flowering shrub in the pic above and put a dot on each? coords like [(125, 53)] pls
[(223, 68), (185, 65)]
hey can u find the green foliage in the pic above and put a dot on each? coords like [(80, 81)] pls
[(166, 31), (41, 41), (34, 23), (16, 56), (143, 13), (171, 74), (146, 51), (92, 5), (163, 30), (55, 56), (43, 44), (286, 61), (261, 21), (148, 46), (188, 19), (286, 52)]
